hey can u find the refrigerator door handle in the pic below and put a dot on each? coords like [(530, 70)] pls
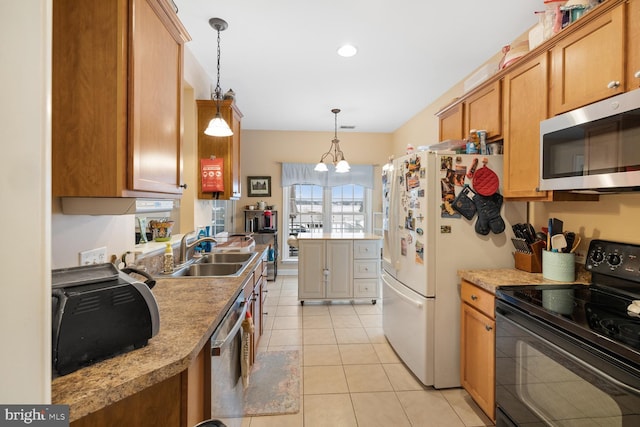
[(394, 200), (400, 294)]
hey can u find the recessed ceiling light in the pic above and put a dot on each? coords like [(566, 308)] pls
[(347, 51)]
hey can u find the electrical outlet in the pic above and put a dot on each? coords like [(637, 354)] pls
[(93, 256)]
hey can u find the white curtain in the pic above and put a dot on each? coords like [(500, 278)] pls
[(303, 173)]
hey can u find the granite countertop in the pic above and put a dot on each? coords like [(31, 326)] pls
[(491, 279), (337, 236), (190, 309)]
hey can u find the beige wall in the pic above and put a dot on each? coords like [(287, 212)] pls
[(263, 152), (614, 217)]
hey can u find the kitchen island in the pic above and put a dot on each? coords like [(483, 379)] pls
[(170, 372), (338, 266)]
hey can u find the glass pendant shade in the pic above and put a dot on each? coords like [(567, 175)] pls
[(321, 167), (218, 127), (343, 166)]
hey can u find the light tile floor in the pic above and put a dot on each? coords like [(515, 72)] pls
[(350, 374)]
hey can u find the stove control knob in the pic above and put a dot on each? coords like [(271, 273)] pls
[(597, 256), (614, 260)]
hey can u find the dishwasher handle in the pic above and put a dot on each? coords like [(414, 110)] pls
[(216, 345)]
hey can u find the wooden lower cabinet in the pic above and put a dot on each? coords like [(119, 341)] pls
[(182, 400), (477, 346)]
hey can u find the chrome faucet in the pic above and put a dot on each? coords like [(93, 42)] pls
[(184, 246)]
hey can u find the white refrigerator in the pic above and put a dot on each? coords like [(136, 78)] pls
[(426, 242)]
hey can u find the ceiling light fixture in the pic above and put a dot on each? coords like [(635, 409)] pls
[(218, 126), (347, 51), (336, 155)]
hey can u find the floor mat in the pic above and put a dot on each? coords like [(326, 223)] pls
[(274, 388)]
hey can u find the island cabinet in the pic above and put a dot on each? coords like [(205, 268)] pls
[(477, 346), (325, 269), (117, 69), (589, 64), (224, 147), (338, 266)]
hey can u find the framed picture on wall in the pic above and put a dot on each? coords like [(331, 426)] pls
[(259, 186)]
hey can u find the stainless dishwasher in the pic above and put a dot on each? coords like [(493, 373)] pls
[(226, 349)]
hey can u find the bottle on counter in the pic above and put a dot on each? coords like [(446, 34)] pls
[(168, 259)]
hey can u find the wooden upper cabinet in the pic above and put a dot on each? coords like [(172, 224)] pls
[(525, 106), (633, 44), (483, 111), (227, 147), (451, 123), (480, 109), (117, 98), (589, 64)]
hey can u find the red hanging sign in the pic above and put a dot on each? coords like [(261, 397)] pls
[(211, 173)]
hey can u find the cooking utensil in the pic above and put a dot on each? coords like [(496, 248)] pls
[(558, 242), (570, 236), (575, 245)]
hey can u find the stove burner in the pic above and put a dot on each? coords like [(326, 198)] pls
[(630, 333), (623, 330)]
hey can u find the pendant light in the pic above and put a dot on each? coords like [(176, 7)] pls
[(218, 126), (336, 155)]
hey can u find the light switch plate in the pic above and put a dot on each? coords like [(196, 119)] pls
[(93, 256)]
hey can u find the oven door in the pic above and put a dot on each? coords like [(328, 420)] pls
[(547, 377)]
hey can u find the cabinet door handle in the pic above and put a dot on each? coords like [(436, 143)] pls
[(488, 327), (183, 186), (614, 84), (637, 74), (473, 297)]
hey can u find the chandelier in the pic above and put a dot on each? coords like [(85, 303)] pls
[(336, 154)]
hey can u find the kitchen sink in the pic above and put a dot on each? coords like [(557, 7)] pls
[(231, 257), (220, 264)]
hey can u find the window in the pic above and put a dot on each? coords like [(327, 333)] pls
[(325, 201)]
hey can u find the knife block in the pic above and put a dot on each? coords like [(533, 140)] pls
[(530, 262)]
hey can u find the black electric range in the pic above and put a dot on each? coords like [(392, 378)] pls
[(596, 312)]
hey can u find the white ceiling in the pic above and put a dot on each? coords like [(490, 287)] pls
[(280, 57)]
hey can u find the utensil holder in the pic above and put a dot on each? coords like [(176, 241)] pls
[(559, 266), (532, 262)]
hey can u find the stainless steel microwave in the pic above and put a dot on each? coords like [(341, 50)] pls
[(596, 147)]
